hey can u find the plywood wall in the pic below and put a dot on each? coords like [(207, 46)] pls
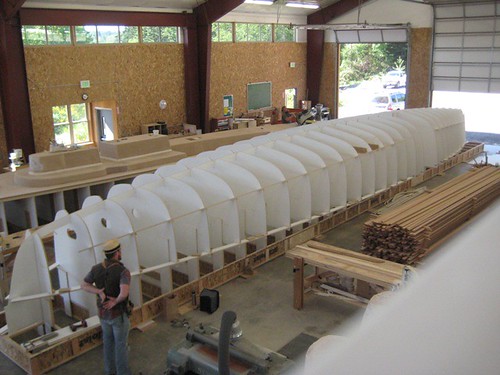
[(329, 81), (234, 65), (136, 76), (417, 92)]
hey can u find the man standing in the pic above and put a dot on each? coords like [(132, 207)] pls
[(110, 280)]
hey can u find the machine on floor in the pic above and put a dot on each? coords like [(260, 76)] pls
[(208, 351)]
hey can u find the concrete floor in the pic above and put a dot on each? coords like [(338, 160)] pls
[(263, 304)]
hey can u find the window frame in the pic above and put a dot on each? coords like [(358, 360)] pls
[(71, 124)]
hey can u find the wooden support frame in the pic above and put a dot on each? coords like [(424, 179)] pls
[(167, 305)]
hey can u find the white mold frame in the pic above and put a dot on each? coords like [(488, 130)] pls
[(74, 256), (31, 291), (272, 181), (351, 160), (409, 143), (380, 155), (299, 187), (105, 220), (389, 147), (335, 167), (154, 235), (192, 209), (221, 206), (366, 158)]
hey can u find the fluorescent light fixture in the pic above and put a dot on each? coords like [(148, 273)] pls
[(309, 4), (260, 2)]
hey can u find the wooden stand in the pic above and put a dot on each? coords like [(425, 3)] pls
[(327, 259)]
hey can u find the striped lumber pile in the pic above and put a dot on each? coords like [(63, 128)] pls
[(409, 232), (350, 263)]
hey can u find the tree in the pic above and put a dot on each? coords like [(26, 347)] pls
[(361, 61)]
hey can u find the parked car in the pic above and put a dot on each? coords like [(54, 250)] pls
[(394, 78), (388, 101)]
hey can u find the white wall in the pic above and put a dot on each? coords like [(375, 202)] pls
[(390, 11)]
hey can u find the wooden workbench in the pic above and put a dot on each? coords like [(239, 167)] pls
[(362, 268)]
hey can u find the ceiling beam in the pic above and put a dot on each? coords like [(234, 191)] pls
[(70, 17), (333, 11), (10, 7), (212, 10)]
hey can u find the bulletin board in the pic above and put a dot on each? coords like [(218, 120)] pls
[(227, 103), (259, 95)]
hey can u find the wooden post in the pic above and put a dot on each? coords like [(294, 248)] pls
[(298, 283)]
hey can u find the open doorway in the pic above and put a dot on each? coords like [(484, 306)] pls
[(372, 78), (104, 114)]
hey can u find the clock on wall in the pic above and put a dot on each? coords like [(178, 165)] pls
[(85, 96)]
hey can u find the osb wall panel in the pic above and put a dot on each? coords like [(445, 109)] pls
[(417, 92), (136, 76), (234, 65), (329, 74)]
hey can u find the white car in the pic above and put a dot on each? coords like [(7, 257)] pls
[(388, 101), (394, 78)]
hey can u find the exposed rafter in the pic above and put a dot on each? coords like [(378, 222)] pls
[(10, 7), (335, 10)]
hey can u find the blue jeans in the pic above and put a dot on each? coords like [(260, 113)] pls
[(115, 342)]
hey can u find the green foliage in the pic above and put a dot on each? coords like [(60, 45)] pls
[(34, 35), (253, 32), (157, 34), (78, 112), (361, 62), (284, 33), (129, 34), (168, 34), (60, 114), (58, 35), (71, 124), (86, 34), (81, 132), (150, 34), (222, 32)]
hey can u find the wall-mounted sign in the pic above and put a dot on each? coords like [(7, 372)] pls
[(228, 105)]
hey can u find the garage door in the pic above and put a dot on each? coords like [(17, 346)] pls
[(466, 52), (375, 35)]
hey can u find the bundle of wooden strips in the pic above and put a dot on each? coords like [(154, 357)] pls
[(410, 231)]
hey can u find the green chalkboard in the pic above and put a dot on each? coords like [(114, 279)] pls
[(259, 95)]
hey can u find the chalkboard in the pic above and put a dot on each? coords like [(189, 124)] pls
[(259, 95)]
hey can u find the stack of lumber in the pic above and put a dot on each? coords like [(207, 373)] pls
[(410, 231), (350, 263)]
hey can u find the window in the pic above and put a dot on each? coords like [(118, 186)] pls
[(222, 32), (86, 34), (253, 32), (58, 35), (159, 34), (284, 33), (70, 124), (107, 34), (129, 34), (291, 98), (43, 35)]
